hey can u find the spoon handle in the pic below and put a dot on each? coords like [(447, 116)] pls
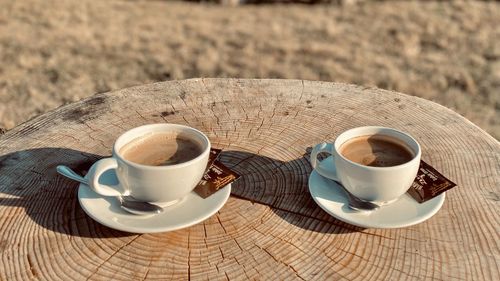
[(67, 172)]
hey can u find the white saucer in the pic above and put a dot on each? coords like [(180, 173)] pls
[(191, 210), (402, 213)]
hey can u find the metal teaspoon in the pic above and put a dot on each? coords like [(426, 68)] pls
[(356, 203), (127, 203)]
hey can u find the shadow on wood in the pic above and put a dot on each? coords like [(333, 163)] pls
[(48, 198), (283, 187), (51, 200)]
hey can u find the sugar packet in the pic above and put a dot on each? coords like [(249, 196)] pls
[(428, 183), (216, 176)]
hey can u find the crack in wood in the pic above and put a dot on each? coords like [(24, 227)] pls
[(261, 124), (406, 274), (147, 271), (32, 268), (120, 118), (303, 88), (217, 121), (238, 244), (189, 255), (281, 262), (140, 115), (111, 256), (183, 93), (71, 137), (220, 222)]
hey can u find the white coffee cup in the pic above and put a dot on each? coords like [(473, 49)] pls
[(382, 185), (164, 185)]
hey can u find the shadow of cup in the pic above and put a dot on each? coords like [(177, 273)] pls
[(283, 187), (28, 179)]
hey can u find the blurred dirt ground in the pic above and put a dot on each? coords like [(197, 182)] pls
[(55, 52)]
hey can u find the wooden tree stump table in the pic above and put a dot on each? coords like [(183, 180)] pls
[(270, 228)]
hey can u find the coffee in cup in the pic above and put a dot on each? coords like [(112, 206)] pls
[(376, 164), (161, 149), (376, 151)]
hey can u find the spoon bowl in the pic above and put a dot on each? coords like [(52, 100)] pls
[(356, 203)]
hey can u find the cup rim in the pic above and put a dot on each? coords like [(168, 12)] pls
[(116, 154), (336, 146)]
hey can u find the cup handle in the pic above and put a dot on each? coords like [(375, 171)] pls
[(324, 170), (95, 173)]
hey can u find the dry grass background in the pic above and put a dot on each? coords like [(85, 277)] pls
[(55, 52)]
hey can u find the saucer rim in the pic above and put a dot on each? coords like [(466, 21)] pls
[(85, 189), (351, 217)]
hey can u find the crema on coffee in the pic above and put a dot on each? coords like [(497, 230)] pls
[(376, 151), (161, 149)]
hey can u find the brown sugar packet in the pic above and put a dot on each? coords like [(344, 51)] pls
[(429, 183), (217, 176)]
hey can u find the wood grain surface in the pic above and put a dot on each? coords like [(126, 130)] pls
[(270, 229)]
